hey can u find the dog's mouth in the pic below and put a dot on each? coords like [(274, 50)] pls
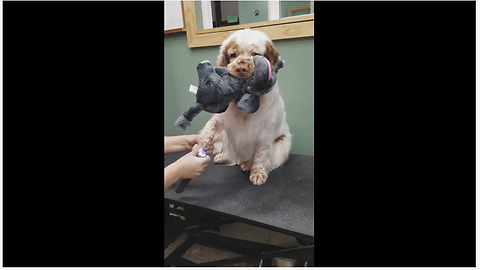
[(241, 67)]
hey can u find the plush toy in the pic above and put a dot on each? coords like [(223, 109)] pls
[(217, 88)]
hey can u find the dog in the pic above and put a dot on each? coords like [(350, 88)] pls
[(258, 142)]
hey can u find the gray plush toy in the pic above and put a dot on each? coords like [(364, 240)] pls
[(217, 88), (260, 83)]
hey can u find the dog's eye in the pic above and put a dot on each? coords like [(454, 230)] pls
[(254, 53)]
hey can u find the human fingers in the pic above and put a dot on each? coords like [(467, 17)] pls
[(206, 160), (199, 150)]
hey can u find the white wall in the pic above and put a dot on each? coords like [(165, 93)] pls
[(173, 18)]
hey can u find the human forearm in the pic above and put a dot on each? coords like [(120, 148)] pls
[(189, 166), (171, 174)]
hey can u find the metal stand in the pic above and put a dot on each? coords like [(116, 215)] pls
[(203, 234)]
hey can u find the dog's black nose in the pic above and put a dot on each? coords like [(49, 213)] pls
[(242, 70)]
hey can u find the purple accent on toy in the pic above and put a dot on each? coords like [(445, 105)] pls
[(269, 68)]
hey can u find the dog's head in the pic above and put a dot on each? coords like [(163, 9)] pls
[(237, 51)]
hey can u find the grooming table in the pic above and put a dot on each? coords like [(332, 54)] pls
[(283, 204)]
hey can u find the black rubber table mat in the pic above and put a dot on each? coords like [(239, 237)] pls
[(284, 203)]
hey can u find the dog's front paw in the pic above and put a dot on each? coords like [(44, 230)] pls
[(246, 166), (220, 159), (258, 177)]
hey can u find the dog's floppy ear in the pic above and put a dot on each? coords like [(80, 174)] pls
[(228, 48), (271, 53), (223, 58)]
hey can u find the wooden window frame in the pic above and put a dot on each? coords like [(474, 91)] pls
[(284, 28)]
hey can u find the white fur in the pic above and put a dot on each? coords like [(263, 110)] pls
[(258, 142)]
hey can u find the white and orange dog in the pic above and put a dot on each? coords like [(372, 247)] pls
[(258, 142)]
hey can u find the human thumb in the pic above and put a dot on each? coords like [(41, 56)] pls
[(196, 148)]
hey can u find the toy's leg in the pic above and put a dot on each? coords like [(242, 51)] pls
[(248, 103), (193, 111), (184, 120)]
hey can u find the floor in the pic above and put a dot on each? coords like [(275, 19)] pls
[(199, 253)]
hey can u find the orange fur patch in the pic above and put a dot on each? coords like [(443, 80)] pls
[(278, 139), (224, 58)]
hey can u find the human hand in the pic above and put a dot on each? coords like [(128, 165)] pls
[(194, 139), (191, 165)]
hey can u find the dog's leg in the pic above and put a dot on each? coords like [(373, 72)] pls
[(221, 146), (258, 174), (214, 134), (210, 130)]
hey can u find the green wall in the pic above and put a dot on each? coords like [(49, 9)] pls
[(246, 11), (295, 80), (285, 5)]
